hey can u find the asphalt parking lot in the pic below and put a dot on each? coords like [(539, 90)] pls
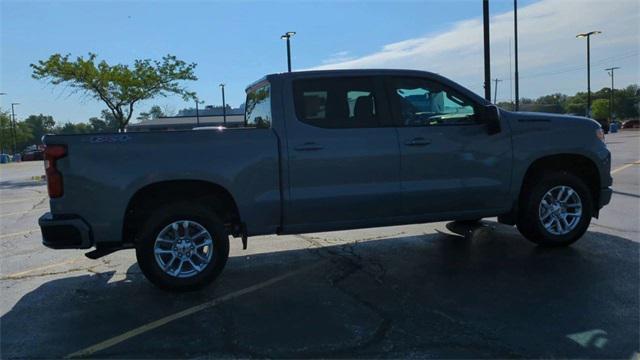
[(419, 291)]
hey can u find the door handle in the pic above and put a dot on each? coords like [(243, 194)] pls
[(309, 146), (419, 141)]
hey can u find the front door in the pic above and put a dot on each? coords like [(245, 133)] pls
[(450, 164), (343, 154)]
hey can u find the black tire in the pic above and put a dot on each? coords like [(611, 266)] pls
[(529, 223), (164, 216)]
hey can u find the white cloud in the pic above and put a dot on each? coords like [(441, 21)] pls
[(547, 45)]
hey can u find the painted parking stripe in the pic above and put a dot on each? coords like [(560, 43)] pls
[(184, 313), (23, 212), (19, 233), (26, 272), (625, 167), (22, 200)]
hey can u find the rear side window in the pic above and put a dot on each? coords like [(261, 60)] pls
[(337, 102), (257, 111)]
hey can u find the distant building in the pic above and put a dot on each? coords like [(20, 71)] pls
[(172, 123)]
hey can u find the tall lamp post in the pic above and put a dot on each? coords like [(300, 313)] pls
[(588, 36), (224, 107), (13, 125), (610, 71), (287, 36), (515, 36), (487, 50)]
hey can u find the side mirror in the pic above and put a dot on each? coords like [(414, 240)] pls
[(490, 115)]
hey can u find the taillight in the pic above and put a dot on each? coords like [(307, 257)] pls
[(54, 178)]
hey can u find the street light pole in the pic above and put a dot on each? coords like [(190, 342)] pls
[(588, 36), (13, 125), (224, 107), (487, 50), (611, 70), (515, 35), (287, 36)]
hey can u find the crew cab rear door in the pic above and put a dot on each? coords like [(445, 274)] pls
[(343, 157), (450, 164)]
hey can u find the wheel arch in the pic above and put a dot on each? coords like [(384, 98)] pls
[(576, 164), (150, 196)]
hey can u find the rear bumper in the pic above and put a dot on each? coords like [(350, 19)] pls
[(605, 197), (65, 232)]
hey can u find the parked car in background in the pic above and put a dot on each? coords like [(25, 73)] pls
[(5, 158), (33, 152), (631, 124), (323, 151)]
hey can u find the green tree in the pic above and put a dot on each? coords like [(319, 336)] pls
[(23, 135), (40, 125), (153, 113), (600, 109), (119, 86)]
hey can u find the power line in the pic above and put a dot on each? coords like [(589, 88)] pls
[(581, 67)]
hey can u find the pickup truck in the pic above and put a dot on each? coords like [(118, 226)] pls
[(322, 151)]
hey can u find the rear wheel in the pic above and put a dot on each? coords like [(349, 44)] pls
[(556, 210), (182, 247)]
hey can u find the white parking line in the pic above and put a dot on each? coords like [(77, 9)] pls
[(625, 167), (21, 200), (23, 212), (19, 233), (25, 272), (179, 315)]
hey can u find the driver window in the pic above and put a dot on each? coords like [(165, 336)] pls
[(418, 102)]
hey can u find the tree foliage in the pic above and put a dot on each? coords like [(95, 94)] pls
[(119, 86)]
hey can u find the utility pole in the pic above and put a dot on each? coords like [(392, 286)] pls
[(515, 35), (197, 113), (2, 133), (588, 36), (610, 71), (224, 107), (13, 125), (495, 91), (487, 50), (287, 36)]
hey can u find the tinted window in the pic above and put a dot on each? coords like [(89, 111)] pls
[(258, 107), (418, 102), (336, 102)]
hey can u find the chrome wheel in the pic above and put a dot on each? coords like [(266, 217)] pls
[(183, 248), (560, 210)]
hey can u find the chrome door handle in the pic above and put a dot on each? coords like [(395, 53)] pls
[(309, 146), (419, 141)]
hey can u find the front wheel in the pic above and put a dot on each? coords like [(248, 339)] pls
[(556, 211), (182, 246)]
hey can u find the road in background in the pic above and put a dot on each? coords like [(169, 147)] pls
[(405, 291)]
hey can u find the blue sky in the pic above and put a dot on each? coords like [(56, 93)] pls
[(238, 42)]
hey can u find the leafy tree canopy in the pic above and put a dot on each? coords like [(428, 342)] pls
[(119, 86)]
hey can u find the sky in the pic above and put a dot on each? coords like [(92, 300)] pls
[(238, 42)]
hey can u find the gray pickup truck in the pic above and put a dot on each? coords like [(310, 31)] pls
[(320, 151)]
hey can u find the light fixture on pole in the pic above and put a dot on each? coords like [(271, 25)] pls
[(588, 36), (287, 36), (224, 107)]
